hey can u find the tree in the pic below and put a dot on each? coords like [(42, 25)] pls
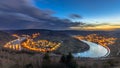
[(46, 57), (46, 61), (69, 61), (29, 66), (73, 64), (63, 59), (69, 58)]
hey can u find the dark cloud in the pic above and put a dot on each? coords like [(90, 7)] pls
[(74, 16), (22, 14)]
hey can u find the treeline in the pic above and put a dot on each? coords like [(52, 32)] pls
[(50, 60), (47, 60), (66, 61)]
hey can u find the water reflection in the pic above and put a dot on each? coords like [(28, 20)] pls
[(94, 51)]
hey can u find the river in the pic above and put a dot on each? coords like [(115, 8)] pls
[(95, 51)]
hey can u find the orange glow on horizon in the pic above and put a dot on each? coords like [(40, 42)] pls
[(101, 27)]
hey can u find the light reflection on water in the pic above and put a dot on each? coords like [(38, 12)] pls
[(94, 51)]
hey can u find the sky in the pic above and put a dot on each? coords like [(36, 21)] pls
[(60, 14), (91, 10)]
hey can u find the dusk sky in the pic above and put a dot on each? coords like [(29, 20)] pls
[(91, 10), (60, 14)]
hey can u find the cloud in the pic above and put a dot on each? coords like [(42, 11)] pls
[(74, 16), (23, 14)]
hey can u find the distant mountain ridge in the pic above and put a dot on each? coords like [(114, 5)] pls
[(70, 32)]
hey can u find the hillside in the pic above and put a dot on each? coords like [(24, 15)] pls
[(5, 37), (69, 44)]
